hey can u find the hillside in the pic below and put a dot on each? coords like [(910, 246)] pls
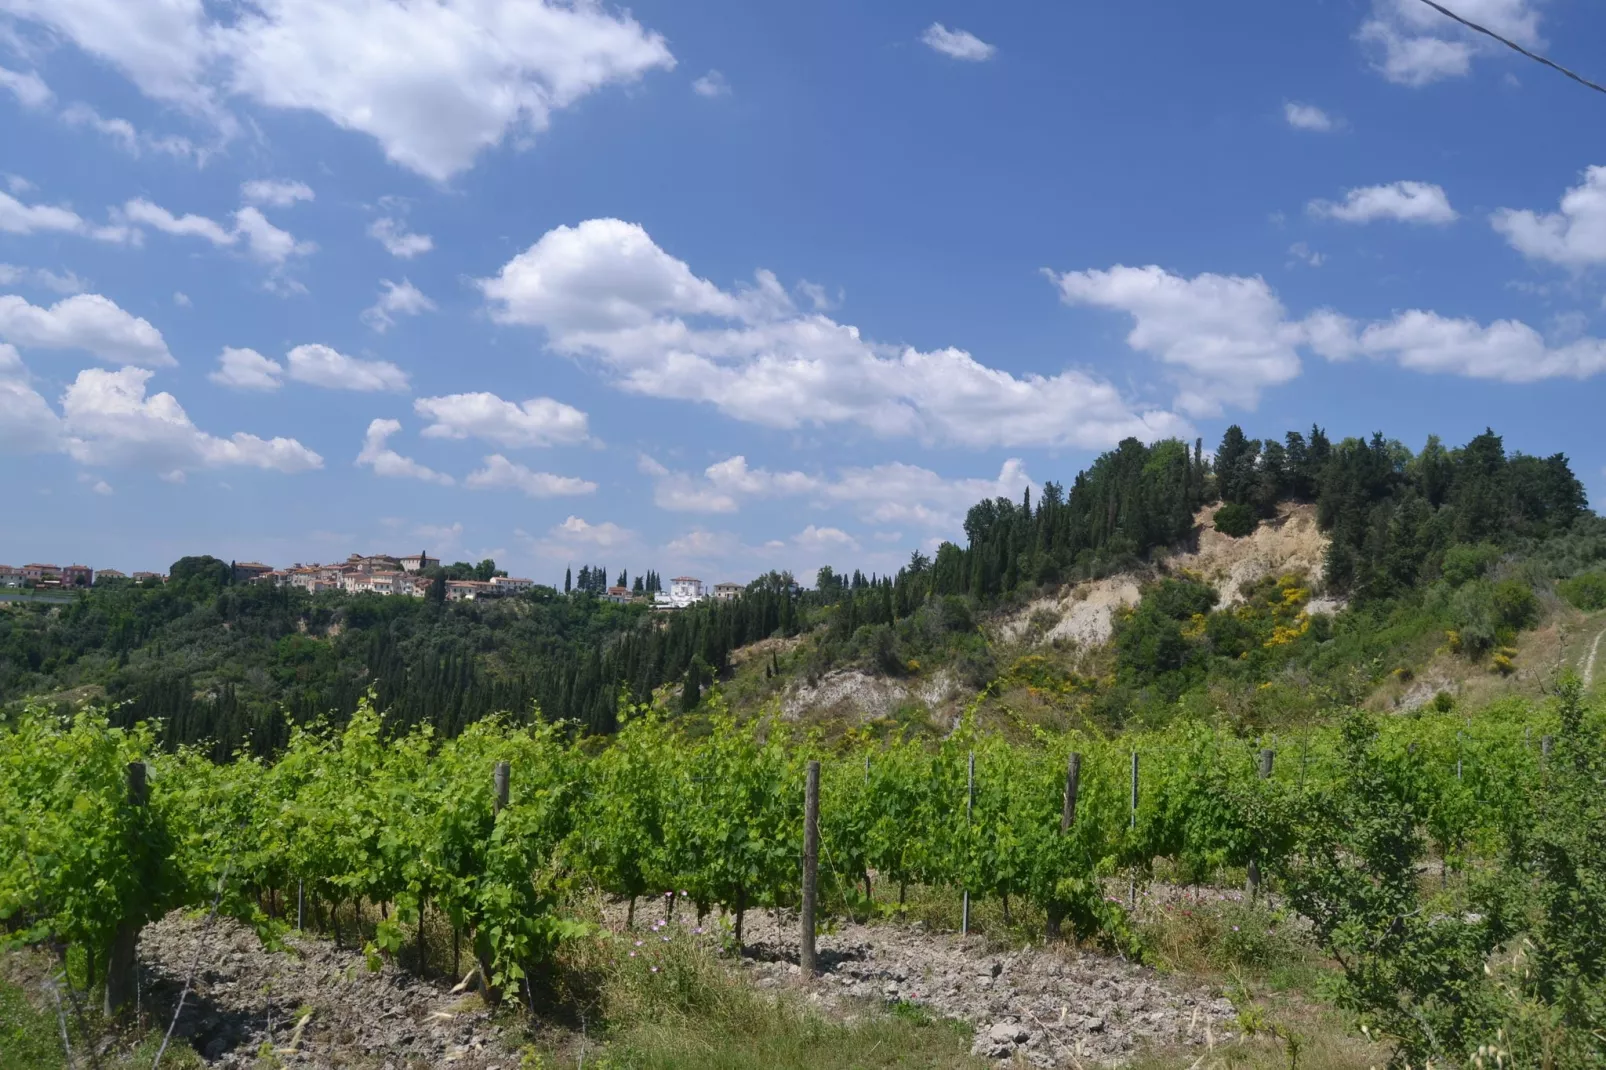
[(1277, 578), (1056, 656)]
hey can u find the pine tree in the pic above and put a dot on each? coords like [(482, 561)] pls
[(568, 584)]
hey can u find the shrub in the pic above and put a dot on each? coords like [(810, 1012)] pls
[(1472, 610), (1236, 519), (1515, 606), (1587, 592), (954, 614), (1466, 562)]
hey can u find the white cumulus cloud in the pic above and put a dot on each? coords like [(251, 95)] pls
[(89, 322), (278, 193), (1507, 351), (1412, 44), (62, 282), (27, 422), (482, 415), (1407, 202), (958, 44), (576, 538), (604, 290), (824, 540), (378, 455), (320, 365), (129, 138), (1306, 255), (700, 545), (893, 493), (500, 473), (29, 89), (1235, 330), (19, 218), (712, 84), (109, 420), (1573, 237), (1307, 117), (261, 239), (265, 241), (1227, 337), (144, 213), (601, 535), (395, 299), (246, 369), (396, 239), (434, 83)]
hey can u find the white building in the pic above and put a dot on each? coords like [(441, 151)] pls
[(727, 592), (418, 562), (511, 584), (683, 591)]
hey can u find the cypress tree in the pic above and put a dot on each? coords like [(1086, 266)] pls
[(691, 692)]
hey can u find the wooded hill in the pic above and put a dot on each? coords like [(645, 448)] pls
[(1472, 537)]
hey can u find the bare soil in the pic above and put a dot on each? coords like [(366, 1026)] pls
[(1048, 1006), (311, 1004)]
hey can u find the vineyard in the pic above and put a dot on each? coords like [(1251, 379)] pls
[(497, 828)]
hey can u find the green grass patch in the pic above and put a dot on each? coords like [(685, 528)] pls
[(30, 1029)]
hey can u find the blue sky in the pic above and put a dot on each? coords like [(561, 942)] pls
[(730, 286)]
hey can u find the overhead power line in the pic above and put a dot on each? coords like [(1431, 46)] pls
[(1469, 24)]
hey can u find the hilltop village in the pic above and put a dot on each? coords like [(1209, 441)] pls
[(410, 575)]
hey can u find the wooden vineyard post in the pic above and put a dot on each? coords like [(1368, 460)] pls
[(122, 977), (1132, 882), (1073, 784), (970, 803), (811, 868), (500, 780), (869, 892), (1267, 756), (500, 776)]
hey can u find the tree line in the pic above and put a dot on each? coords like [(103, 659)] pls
[(238, 664)]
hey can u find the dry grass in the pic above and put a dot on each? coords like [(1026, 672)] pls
[(1563, 641), (1273, 975), (676, 1004), (1290, 1037)]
